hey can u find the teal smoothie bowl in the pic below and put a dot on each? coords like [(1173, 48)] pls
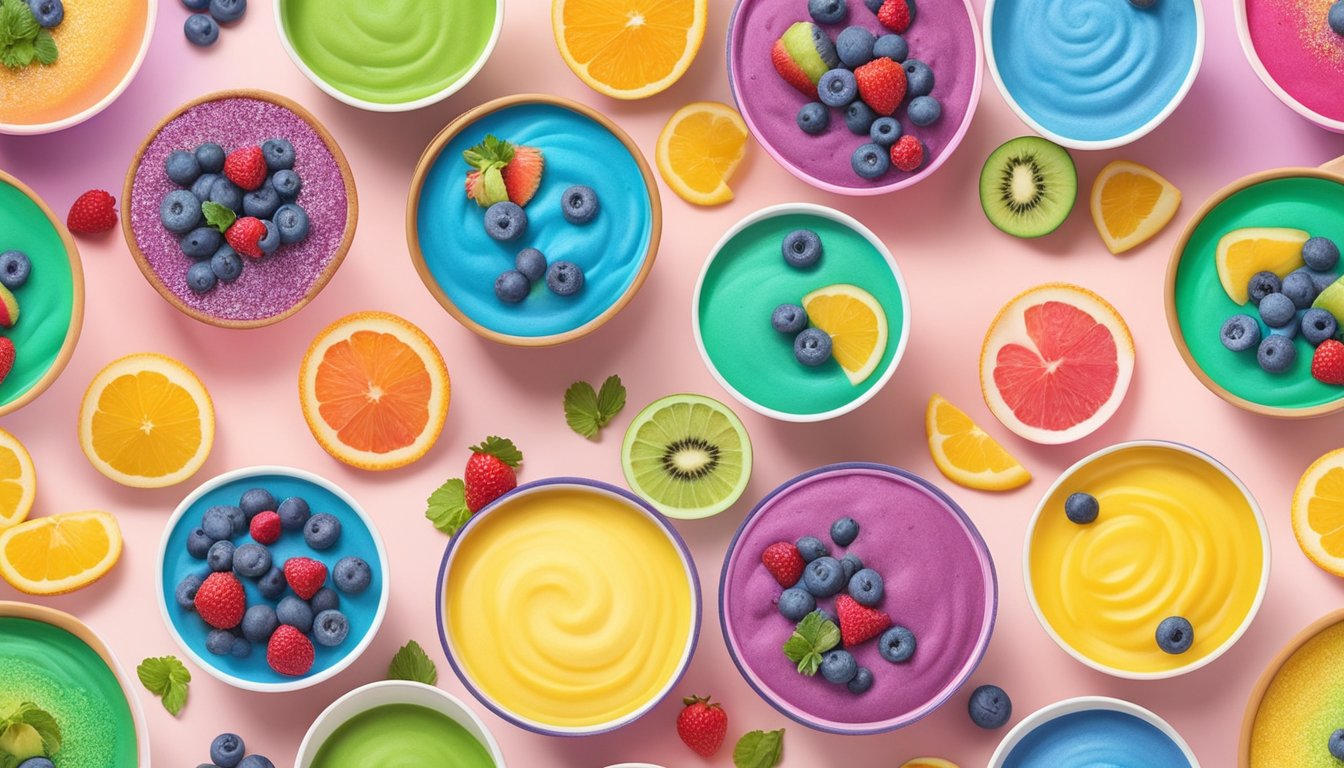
[(746, 277)]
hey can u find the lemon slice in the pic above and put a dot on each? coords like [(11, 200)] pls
[(699, 150), (965, 454), (61, 553), (1318, 512), (1131, 203), (18, 481), (857, 326), (1244, 252)]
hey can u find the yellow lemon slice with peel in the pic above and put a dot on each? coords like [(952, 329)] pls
[(965, 454), (59, 554), (1131, 203), (699, 149), (1318, 512), (1242, 253), (857, 326), (18, 481), (629, 49)]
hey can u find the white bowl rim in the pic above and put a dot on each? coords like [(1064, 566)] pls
[(374, 106), (299, 474), (840, 217), (70, 121), (1085, 704), (491, 744), (1265, 552), (1090, 144), (1253, 56)]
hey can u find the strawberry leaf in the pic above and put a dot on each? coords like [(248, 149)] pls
[(412, 663), (447, 507), (501, 448), (167, 678), (491, 153)]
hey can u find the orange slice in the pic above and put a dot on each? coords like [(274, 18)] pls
[(856, 324), (1242, 253), (1318, 512), (374, 390), (928, 762), (18, 481), (699, 150), (1131, 203), (965, 454), (61, 553), (628, 49)]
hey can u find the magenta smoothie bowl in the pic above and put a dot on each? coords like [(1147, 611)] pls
[(1297, 55), (943, 35), (939, 584), (274, 286)]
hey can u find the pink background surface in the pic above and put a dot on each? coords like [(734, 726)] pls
[(959, 268)]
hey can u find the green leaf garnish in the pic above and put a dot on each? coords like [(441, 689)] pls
[(167, 678), (501, 448), (489, 157), (22, 39), (220, 217), (588, 411), (29, 731), (759, 749), (44, 48), (813, 636), (447, 507), (412, 663)]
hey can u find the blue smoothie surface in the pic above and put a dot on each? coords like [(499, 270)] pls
[(610, 249), (1094, 738)]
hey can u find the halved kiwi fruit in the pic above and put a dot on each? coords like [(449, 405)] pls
[(687, 455), (1028, 186)]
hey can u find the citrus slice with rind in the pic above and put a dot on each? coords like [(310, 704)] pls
[(629, 49), (965, 454), (1318, 512), (928, 762), (18, 481), (1242, 253), (687, 455), (59, 554), (1131, 203), (699, 149), (856, 324)]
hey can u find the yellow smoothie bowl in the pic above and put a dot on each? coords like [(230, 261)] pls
[(1177, 535), (568, 606), (1297, 702)]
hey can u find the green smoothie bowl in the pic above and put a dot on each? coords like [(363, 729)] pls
[(1255, 225), (52, 664), (389, 57), (801, 313), (398, 722)]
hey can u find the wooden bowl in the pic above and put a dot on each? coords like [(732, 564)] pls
[(347, 235)]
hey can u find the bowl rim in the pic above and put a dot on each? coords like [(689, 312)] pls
[(587, 486), (908, 181), (243, 473), (1064, 707), (1253, 57), (990, 572), (1329, 171), (76, 306), (1096, 144), (86, 634), (839, 217), (69, 121), (323, 277), (1215, 654), (373, 106), (463, 712)]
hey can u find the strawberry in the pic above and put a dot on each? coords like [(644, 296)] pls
[(783, 562), (305, 576), (289, 651), (246, 167), (907, 154), (94, 211), (790, 71), (9, 307), (503, 171), (1327, 365), (702, 726), (859, 623), (244, 236), (265, 527), (220, 601), (881, 85), (490, 471), (6, 357), (895, 15)]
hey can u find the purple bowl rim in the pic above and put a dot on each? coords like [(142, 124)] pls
[(976, 538), (658, 517)]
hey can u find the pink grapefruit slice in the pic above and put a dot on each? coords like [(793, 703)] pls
[(1056, 363)]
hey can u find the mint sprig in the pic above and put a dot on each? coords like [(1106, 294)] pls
[(447, 506), (167, 678), (22, 40), (220, 217), (813, 636), (28, 731), (412, 663), (759, 749), (587, 410)]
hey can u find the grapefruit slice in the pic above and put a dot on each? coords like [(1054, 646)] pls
[(1056, 363)]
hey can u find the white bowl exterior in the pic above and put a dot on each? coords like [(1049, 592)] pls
[(1253, 56)]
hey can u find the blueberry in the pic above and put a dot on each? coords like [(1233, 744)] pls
[(893, 47), (294, 612), (990, 707), (874, 5), (226, 264), (579, 204), (293, 512), (321, 531), (844, 531), (532, 263), (37, 762), (201, 242), (256, 761), (1318, 325), (837, 88), (270, 238), (859, 118), (1320, 253), (220, 556), (862, 681), (201, 189), (801, 248), (196, 5), (811, 548), (1322, 280), (14, 269), (824, 577), (227, 194), (850, 564), (1082, 508), (251, 560), (273, 584), (287, 185), (330, 628), (1277, 310), (1263, 284), (897, 645), (49, 13), (324, 599), (1175, 635), (795, 603), (199, 543), (505, 221), (1290, 330), (838, 666), (183, 167), (1143, 3), (885, 131), (218, 523), (512, 286), (200, 30), (227, 750), (564, 278), (814, 118), (870, 160), (1276, 353), (180, 211), (210, 156), (185, 593), (259, 622), (924, 110), (292, 221), (1299, 289), (262, 202), (352, 575), (254, 501), (1336, 742), (241, 648), (866, 587), (854, 45), (279, 154), (1240, 333), (827, 11), (228, 11), (918, 78), (788, 318), (236, 518), (219, 642), (812, 347)]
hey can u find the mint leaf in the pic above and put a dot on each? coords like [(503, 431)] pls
[(11, 58), (581, 412), (611, 398), (447, 507), (45, 48), (759, 749), (412, 663), (218, 216), (23, 52), (813, 636), (29, 731), (167, 678), (24, 25)]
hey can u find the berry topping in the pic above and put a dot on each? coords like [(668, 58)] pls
[(859, 623), (7, 356), (881, 85), (245, 236), (265, 527), (907, 154), (94, 211), (220, 600), (1175, 635), (503, 172), (783, 562), (305, 576), (246, 168), (1327, 365), (895, 15), (289, 651)]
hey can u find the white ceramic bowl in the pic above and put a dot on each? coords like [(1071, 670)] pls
[(1253, 56), (634, 765), (1084, 704), (386, 692)]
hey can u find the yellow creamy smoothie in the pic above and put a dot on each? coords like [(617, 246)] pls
[(1175, 536), (568, 606)]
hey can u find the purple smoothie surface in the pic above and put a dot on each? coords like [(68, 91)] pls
[(943, 36), (939, 583), (273, 284)]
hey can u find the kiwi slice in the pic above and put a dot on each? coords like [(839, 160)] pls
[(687, 455), (1028, 186)]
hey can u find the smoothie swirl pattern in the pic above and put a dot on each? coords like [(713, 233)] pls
[(1093, 738)]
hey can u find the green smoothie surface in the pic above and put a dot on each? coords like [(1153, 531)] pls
[(401, 736)]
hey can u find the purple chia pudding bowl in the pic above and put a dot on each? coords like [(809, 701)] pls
[(944, 35), (939, 583), (273, 287)]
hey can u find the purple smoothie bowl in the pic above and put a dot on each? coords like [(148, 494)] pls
[(939, 579), (944, 35)]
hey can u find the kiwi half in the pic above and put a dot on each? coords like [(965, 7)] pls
[(1028, 186), (687, 455)]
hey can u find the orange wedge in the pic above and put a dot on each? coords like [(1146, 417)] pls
[(628, 49), (856, 324), (1131, 203), (1242, 253), (965, 454), (1318, 512), (374, 391), (59, 554), (18, 481), (699, 150)]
